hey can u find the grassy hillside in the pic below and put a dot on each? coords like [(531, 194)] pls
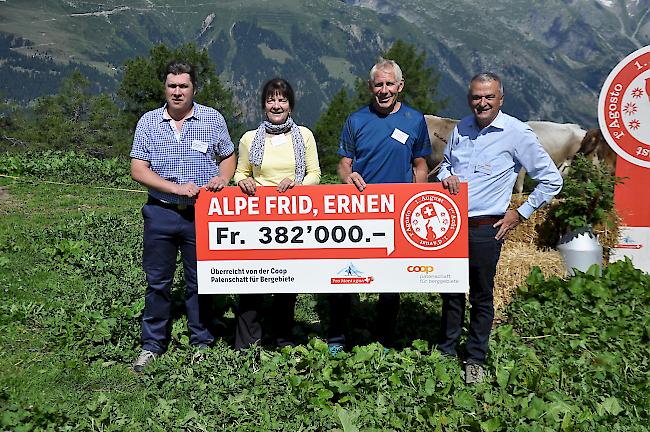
[(248, 42), (573, 356)]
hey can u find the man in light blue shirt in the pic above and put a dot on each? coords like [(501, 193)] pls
[(487, 150)]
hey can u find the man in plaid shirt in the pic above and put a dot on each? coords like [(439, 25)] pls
[(176, 150)]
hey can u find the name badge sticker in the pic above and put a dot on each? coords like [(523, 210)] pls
[(199, 146), (400, 136), (484, 168), (278, 140)]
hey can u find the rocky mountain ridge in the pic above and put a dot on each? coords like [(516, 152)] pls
[(553, 54)]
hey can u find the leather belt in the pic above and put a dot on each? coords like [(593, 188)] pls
[(483, 220), (179, 207)]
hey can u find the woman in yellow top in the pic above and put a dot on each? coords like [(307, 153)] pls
[(281, 154)]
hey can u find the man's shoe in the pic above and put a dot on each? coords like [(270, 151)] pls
[(335, 348), (143, 360), (474, 373)]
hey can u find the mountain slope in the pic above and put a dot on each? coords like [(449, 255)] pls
[(553, 55)]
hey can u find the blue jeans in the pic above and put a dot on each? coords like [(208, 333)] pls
[(484, 251), (167, 230)]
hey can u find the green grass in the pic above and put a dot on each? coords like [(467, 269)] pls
[(274, 54), (574, 357), (340, 68)]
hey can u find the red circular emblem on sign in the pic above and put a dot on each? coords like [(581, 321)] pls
[(624, 108), (430, 220)]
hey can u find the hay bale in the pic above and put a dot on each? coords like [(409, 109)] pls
[(529, 231), (531, 244), (517, 260)]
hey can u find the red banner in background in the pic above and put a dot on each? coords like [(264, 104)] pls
[(631, 197), (333, 238), (624, 117)]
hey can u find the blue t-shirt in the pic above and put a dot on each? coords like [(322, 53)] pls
[(382, 147)]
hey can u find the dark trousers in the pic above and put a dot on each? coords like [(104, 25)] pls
[(249, 326), (166, 231), (484, 251), (385, 322)]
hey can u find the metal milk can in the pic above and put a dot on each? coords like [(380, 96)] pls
[(580, 249)]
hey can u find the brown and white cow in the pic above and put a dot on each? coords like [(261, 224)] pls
[(595, 147), (561, 140)]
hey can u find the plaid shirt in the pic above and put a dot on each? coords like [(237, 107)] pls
[(176, 161)]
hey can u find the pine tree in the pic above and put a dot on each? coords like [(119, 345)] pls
[(75, 119), (328, 130), (142, 88), (60, 117)]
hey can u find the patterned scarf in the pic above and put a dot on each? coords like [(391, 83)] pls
[(257, 146)]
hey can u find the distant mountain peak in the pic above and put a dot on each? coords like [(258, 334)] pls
[(554, 56)]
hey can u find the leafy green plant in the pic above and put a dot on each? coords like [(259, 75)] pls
[(593, 332), (587, 196), (68, 167)]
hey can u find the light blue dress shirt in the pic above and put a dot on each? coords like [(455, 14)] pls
[(489, 160)]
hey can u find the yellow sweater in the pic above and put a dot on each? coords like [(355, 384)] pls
[(279, 160)]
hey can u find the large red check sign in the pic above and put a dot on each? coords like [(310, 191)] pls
[(333, 238)]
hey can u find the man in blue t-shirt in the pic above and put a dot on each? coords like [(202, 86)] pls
[(384, 142)]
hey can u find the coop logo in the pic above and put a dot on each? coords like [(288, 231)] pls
[(624, 108), (350, 275), (430, 220), (420, 269)]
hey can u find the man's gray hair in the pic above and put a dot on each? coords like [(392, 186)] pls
[(486, 77), (386, 65)]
